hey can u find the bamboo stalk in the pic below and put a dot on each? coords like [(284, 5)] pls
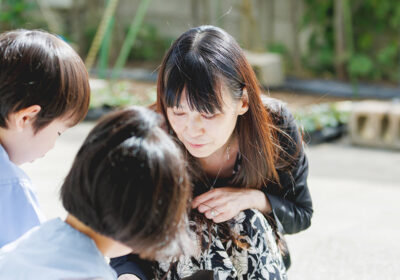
[(105, 49), (130, 38), (98, 38)]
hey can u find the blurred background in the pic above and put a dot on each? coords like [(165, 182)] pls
[(335, 62)]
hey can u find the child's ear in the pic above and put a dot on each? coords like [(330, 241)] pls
[(243, 103), (24, 117)]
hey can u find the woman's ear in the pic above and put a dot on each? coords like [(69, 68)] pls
[(24, 117), (243, 105)]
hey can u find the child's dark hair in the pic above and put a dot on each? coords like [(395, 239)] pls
[(38, 68), (129, 182)]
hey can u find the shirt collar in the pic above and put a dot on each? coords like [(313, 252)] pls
[(3, 153)]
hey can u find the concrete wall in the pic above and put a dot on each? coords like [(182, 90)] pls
[(272, 19), (269, 21)]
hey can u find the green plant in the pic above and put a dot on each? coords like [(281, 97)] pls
[(278, 48), (317, 117), (372, 41), (120, 94), (281, 49), (15, 13), (318, 16), (149, 44)]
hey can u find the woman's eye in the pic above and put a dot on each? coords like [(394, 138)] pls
[(59, 133), (209, 117), (179, 113)]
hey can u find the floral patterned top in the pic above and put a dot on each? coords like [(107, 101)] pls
[(260, 260)]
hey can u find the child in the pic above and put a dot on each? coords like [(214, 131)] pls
[(127, 191), (44, 89)]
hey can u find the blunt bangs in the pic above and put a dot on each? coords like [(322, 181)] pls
[(197, 77), (201, 62)]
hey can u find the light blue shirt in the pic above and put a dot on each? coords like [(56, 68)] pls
[(19, 207), (54, 251)]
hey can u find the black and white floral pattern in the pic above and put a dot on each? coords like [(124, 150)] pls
[(261, 260)]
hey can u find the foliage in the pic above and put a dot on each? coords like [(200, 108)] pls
[(14, 13), (149, 45), (374, 47), (281, 49), (120, 94), (320, 116), (278, 48)]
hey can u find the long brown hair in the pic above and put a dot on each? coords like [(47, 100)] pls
[(199, 61)]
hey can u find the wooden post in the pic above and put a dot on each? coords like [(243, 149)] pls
[(269, 12), (76, 19), (249, 29), (218, 13), (194, 11), (244, 34), (294, 21), (206, 12), (340, 47)]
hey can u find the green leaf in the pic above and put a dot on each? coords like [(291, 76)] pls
[(365, 41), (360, 65), (388, 54)]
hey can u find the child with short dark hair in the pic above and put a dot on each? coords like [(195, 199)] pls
[(44, 89), (127, 190)]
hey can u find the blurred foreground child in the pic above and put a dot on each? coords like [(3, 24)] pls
[(127, 191)]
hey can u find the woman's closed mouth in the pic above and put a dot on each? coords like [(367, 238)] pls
[(196, 145)]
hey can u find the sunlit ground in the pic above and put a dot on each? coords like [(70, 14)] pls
[(356, 194)]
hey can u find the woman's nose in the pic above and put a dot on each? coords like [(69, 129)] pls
[(194, 127)]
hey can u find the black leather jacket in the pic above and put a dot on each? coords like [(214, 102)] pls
[(291, 200)]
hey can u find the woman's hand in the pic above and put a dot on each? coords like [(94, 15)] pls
[(222, 204)]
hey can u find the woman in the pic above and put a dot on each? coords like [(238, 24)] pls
[(243, 153)]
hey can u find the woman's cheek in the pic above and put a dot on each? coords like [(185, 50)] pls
[(216, 124), (177, 123)]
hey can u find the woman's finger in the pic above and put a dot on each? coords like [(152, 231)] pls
[(212, 213), (204, 197), (216, 202), (219, 215)]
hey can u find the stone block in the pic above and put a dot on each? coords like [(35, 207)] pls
[(98, 84), (376, 124), (268, 67)]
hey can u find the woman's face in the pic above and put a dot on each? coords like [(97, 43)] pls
[(204, 134)]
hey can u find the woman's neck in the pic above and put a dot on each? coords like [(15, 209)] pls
[(222, 161)]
